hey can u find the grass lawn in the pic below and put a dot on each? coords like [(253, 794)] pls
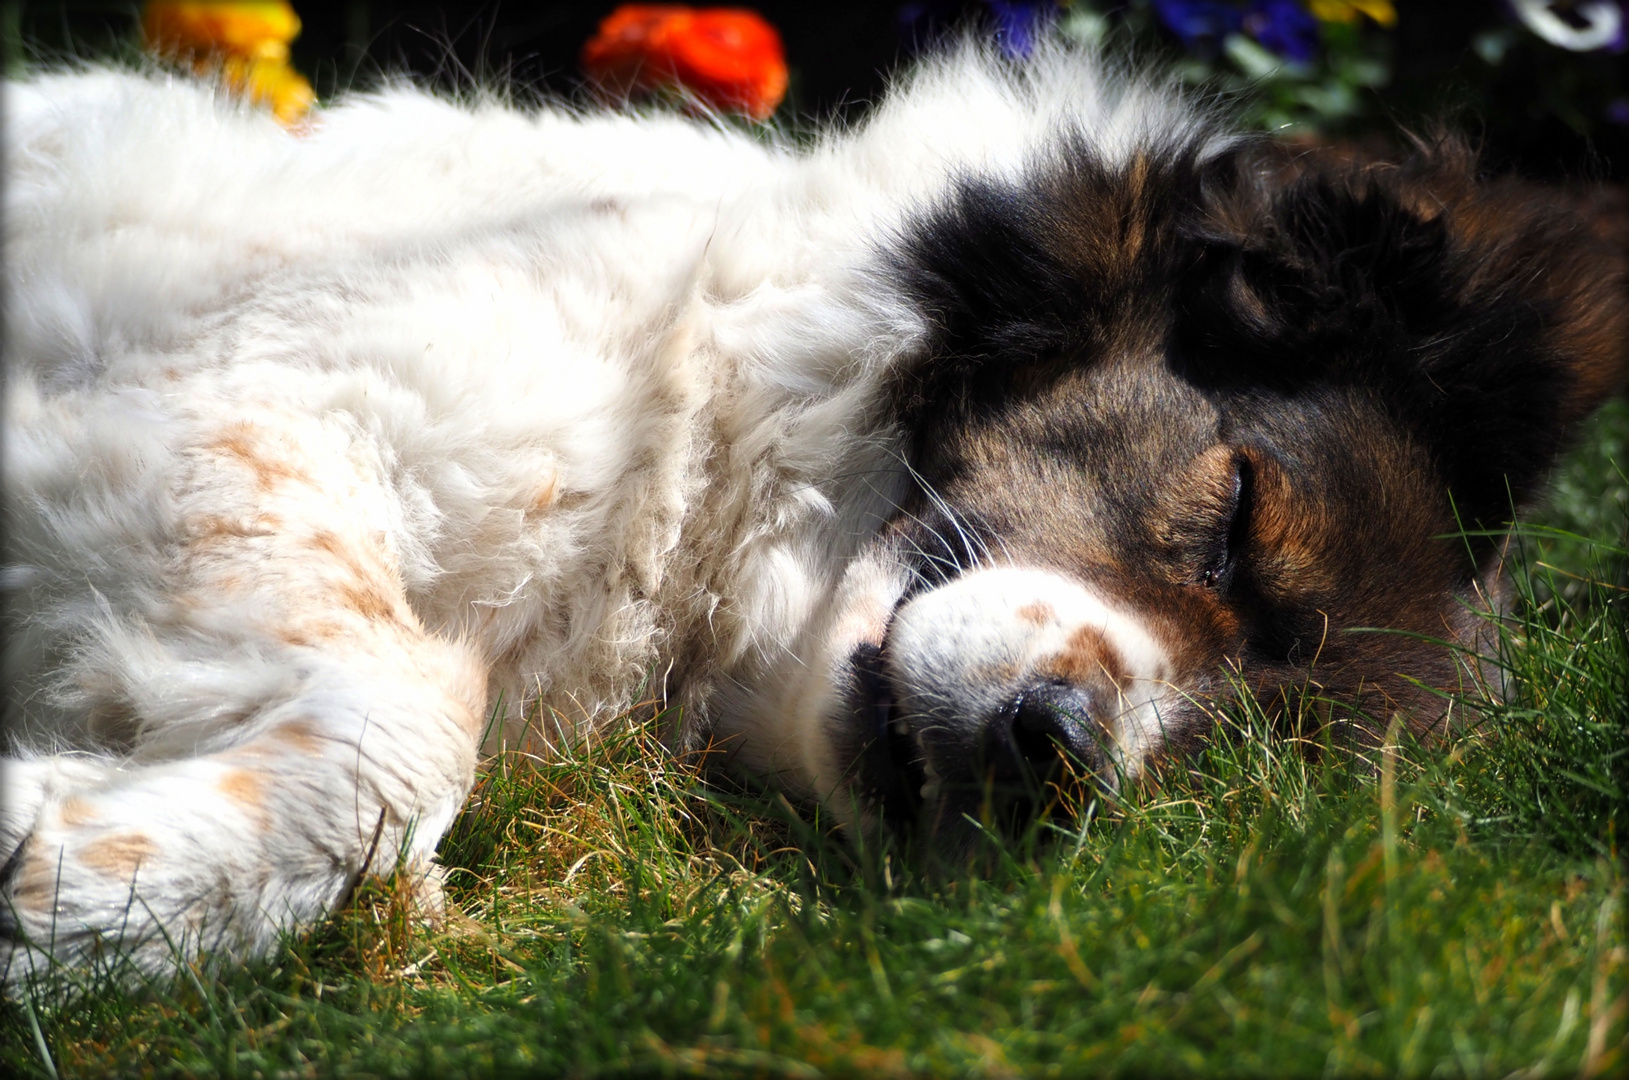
[(1448, 910)]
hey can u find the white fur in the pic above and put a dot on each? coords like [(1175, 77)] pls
[(319, 447)]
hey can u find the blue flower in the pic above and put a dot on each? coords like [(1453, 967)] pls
[(1284, 27), (1016, 25), (1200, 24), (1019, 23)]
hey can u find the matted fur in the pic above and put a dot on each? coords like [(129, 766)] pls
[(899, 460)]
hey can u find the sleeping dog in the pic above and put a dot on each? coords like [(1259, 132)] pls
[(995, 439)]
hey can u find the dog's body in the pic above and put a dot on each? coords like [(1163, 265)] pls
[(1017, 419)]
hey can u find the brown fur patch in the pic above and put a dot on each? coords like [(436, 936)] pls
[(371, 588), (209, 528), (1291, 548), (1086, 659), (36, 883), (359, 562), (300, 734), (548, 493), (77, 811), (239, 442), (1038, 613), (332, 543), (368, 601), (119, 855), (310, 633), (247, 789), (1587, 283), (114, 723), (1107, 245)]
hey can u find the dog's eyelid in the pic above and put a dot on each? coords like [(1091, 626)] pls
[(1234, 534), (1244, 500)]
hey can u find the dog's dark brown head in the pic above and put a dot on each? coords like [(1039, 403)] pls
[(1202, 418)]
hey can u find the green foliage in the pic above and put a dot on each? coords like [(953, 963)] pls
[(1538, 107), (1327, 94)]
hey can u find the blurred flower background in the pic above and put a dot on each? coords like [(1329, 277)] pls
[(1541, 82), (245, 44)]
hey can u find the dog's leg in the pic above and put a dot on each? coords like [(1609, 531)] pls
[(295, 725)]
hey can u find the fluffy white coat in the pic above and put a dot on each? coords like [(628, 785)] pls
[(323, 449)]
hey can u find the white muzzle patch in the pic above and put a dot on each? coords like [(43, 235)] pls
[(960, 654)]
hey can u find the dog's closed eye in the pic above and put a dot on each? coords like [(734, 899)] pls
[(1208, 517), (1231, 539)]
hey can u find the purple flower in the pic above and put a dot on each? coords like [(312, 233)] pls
[(1015, 24), (1284, 27), (1019, 23), (1200, 24)]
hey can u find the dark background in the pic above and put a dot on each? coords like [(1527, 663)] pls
[(1539, 112)]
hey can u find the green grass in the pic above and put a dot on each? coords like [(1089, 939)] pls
[(1452, 910)]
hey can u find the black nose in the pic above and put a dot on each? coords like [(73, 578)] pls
[(1045, 725), (1040, 751), (1056, 717)]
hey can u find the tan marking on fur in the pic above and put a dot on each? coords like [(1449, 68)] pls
[(309, 633), (372, 590), (237, 441), (1289, 545), (36, 883), (209, 528), (367, 601), (331, 542), (1039, 613), (1133, 225), (547, 494), (300, 734), (297, 638), (76, 811), (1086, 659), (119, 855), (350, 557), (245, 788), (1191, 510), (1289, 565)]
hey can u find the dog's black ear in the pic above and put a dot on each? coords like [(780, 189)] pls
[(1022, 279), (1490, 315)]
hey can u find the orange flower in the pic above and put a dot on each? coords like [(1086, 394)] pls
[(246, 44), (273, 85), (727, 57)]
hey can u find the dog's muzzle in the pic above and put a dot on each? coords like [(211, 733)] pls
[(996, 698)]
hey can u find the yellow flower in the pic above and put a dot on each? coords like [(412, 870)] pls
[(246, 44), (1346, 11), (272, 84)]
